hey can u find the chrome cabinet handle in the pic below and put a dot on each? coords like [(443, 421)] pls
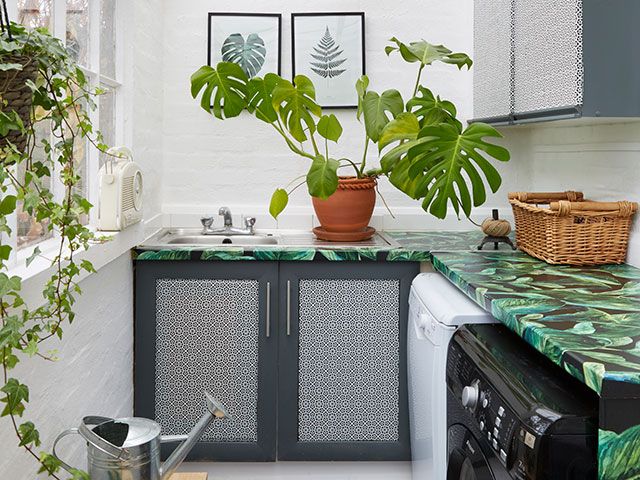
[(288, 307), (268, 327)]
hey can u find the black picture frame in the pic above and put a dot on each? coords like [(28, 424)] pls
[(328, 14), (276, 16)]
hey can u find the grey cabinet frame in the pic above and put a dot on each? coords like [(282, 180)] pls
[(610, 82), (288, 446), (146, 274)]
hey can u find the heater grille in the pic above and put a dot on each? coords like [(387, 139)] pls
[(348, 377), (128, 193)]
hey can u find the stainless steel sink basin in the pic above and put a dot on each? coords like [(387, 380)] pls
[(191, 238), (243, 240)]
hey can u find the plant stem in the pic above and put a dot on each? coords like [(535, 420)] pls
[(291, 145), (415, 88), (354, 165), (296, 187), (315, 145), (360, 173), (385, 203)]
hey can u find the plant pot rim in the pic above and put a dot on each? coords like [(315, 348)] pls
[(356, 183)]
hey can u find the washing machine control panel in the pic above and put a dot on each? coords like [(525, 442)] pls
[(496, 421)]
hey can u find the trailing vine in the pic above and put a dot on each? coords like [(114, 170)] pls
[(61, 96)]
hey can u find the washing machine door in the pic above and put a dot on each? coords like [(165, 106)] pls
[(466, 459)]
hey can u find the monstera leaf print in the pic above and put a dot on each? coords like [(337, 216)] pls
[(327, 56), (249, 55)]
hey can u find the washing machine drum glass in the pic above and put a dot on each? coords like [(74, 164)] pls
[(466, 459)]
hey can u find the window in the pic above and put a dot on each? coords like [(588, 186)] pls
[(90, 32)]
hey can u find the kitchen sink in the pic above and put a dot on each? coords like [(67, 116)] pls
[(223, 240), (175, 238)]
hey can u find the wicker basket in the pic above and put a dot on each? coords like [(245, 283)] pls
[(17, 94), (571, 230)]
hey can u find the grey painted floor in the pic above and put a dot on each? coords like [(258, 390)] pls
[(306, 470)]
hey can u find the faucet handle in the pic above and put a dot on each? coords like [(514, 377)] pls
[(207, 221), (249, 222)]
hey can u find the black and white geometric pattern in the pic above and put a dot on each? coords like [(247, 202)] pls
[(207, 339), (348, 360), (492, 85), (549, 68)]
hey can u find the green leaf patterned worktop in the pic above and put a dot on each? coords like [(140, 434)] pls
[(413, 247), (585, 319)]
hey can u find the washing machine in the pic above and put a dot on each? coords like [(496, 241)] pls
[(513, 414), (436, 309)]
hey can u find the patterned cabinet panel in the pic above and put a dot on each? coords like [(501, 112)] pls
[(207, 339), (549, 70), (492, 77), (342, 361), (205, 326), (348, 360)]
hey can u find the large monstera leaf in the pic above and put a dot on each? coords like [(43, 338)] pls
[(431, 109), (249, 55), (322, 178), (442, 154), (224, 89), (379, 110), (260, 97), (427, 53), (296, 105)]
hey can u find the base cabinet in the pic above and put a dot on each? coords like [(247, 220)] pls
[(309, 358), (204, 328)]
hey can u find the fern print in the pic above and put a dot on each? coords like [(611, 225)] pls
[(327, 54)]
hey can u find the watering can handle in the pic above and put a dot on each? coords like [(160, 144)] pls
[(71, 431), (98, 442)]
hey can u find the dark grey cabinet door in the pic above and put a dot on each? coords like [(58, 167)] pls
[(209, 326), (342, 366)]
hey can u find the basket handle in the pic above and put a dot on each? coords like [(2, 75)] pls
[(623, 209), (546, 197)]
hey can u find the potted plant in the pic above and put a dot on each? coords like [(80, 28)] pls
[(41, 90), (424, 150)]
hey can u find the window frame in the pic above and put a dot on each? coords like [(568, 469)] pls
[(92, 159)]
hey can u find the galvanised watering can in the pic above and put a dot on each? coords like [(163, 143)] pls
[(129, 448)]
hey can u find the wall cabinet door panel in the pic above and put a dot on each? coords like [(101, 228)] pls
[(492, 68), (203, 326), (549, 71)]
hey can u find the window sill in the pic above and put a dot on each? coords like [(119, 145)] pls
[(99, 254)]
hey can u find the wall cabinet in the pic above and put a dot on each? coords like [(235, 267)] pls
[(538, 60), (319, 346)]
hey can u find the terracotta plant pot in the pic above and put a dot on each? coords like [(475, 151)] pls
[(350, 208)]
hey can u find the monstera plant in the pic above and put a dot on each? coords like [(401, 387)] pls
[(423, 149)]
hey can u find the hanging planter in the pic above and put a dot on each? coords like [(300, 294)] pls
[(16, 95)]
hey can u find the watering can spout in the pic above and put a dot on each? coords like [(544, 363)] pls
[(215, 409)]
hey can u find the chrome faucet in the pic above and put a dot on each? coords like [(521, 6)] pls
[(228, 228), (226, 213)]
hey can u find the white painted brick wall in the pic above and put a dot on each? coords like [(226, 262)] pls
[(600, 160), (93, 375), (239, 162)]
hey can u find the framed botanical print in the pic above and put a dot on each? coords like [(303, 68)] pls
[(252, 40), (329, 49)]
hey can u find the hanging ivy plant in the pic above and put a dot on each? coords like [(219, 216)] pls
[(59, 96)]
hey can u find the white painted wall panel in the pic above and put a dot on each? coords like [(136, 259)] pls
[(94, 373)]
